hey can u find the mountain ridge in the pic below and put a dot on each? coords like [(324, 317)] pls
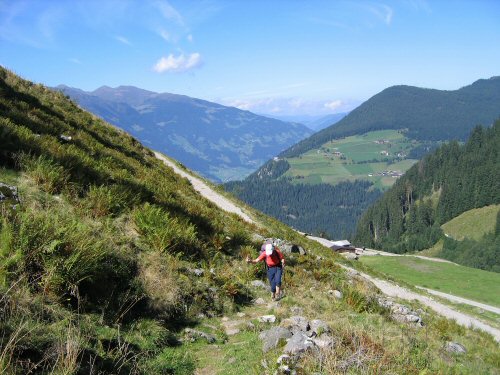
[(219, 142)]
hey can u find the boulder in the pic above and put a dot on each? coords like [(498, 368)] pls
[(259, 301), (284, 359), (193, 335), (299, 344), (335, 293), (9, 195), (455, 347), (272, 337), (324, 341), (267, 319), (296, 310), (318, 327), (296, 324)]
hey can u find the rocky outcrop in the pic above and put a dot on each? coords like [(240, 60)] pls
[(401, 313), (455, 347), (287, 247), (193, 335), (9, 196), (301, 335)]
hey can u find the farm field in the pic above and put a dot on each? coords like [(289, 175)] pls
[(372, 156), (466, 282)]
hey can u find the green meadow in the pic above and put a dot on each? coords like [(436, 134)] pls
[(466, 282), (359, 157), (472, 224)]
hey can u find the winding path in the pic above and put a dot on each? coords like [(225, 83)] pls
[(206, 191)]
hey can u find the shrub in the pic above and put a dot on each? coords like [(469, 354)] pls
[(45, 172), (164, 233)]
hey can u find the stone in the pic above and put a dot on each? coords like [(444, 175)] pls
[(259, 284), (66, 138), (350, 256), (400, 309), (296, 310), (284, 369), (335, 293), (259, 301), (455, 347), (241, 314), (193, 335), (299, 344), (197, 272), (284, 359), (296, 324), (324, 341), (257, 237), (271, 337), (267, 319), (9, 195), (318, 327), (413, 318), (225, 319)]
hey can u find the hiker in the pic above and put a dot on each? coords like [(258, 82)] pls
[(275, 262)]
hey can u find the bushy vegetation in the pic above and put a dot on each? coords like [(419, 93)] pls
[(446, 183)]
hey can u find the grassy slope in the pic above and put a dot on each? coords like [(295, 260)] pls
[(96, 262), (321, 165), (475, 284), (472, 224)]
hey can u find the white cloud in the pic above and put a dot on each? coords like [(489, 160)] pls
[(169, 12), (123, 40), (178, 64), (333, 105), (289, 106), (165, 35), (74, 60)]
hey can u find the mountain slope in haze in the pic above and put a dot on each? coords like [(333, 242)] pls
[(326, 121), (443, 185), (424, 114), (221, 143), (112, 264)]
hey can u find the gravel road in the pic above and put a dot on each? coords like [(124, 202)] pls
[(206, 191)]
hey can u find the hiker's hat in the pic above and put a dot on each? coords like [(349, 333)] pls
[(269, 248)]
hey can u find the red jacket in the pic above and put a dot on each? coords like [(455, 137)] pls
[(272, 260)]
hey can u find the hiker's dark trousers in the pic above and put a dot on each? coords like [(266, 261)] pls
[(274, 276)]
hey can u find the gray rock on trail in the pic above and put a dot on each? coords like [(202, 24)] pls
[(318, 327), (267, 319), (299, 344), (193, 335), (455, 347), (272, 337), (296, 324), (324, 341), (296, 310), (260, 284), (259, 301)]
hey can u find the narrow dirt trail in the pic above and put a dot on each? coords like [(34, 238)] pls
[(206, 191)]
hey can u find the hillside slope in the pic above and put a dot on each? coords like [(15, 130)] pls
[(221, 143), (444, 184), (425, 114), (110, 263)]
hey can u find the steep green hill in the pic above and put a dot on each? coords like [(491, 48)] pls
[(112, 264), (443, 185), (425, 114), (473, 224)]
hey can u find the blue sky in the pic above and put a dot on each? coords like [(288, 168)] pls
[(279, 57)]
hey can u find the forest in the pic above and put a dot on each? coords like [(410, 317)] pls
[(453, 179)]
